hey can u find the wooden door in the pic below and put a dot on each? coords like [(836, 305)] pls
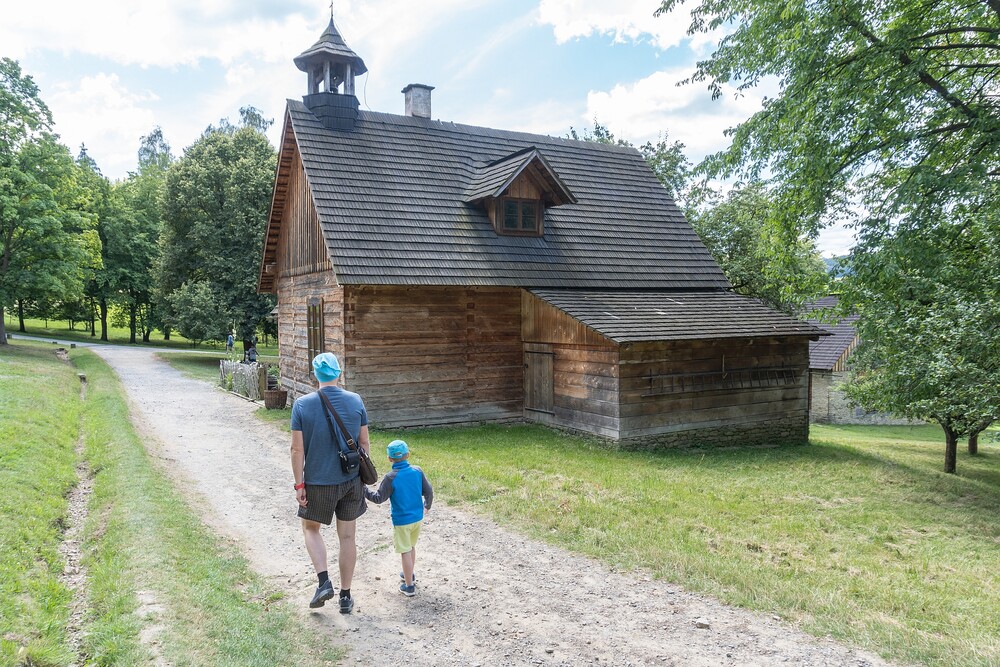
[(538, 378)]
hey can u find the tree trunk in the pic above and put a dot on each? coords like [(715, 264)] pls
[(103, 303), (3, 329), (974, 435), (20, 316), (131, 323), (950, 449), (93, 317), (166, 333)]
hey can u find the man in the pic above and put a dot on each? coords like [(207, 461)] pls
[(322, 489)]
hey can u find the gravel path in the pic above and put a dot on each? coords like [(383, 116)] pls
[(486, 596)]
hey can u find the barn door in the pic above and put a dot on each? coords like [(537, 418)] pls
[(538, 377)]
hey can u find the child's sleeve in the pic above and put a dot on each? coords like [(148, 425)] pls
[(384, 490), (426, 490)]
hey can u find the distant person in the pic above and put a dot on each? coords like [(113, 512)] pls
[(322, 488), (410, 494), (230, 341), (252, 355)]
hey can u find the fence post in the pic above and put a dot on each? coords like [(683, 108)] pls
[(262, 378)]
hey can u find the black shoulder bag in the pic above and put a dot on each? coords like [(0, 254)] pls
[(356, 458)]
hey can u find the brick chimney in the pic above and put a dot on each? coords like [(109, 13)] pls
[(418, 100)]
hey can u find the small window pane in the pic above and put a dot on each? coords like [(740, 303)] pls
[(528, 212), (510, 214)]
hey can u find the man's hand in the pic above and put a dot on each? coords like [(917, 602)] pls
[(300, 495)]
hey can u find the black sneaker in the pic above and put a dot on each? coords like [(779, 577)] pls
[(323, 593), (346, 605)]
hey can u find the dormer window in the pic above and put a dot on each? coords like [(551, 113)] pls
[(515, 191), (522, 216)]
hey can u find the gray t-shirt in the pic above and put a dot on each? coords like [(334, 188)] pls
[(322, 451)]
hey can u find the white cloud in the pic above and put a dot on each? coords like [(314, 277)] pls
[(160, 33), (642, 110), (100, 112), (624, 20)]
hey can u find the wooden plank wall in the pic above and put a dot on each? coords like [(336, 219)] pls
[(435, 355), (294, 293), (733, 410), (301, 248), (584, 368)]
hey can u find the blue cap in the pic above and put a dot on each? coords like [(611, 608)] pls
[(397, 449), (326, 367)]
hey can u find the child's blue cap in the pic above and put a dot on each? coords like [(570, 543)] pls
[(397, 449), (326, 367)]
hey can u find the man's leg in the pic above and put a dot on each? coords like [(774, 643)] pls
[(348, 554), (315, 544)]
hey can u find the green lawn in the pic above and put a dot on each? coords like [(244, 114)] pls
[(120, 336), (142, 543), (858, 536)]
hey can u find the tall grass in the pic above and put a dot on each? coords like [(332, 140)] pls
[(153, 568), (39, 428)]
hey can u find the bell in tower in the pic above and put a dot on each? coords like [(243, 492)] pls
[(331, 66)]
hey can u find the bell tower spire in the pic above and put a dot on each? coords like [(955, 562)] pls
[(330, 66)]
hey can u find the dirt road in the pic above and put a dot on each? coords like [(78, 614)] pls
[(486, 596)]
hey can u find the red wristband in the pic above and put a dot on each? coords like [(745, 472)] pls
[(299, 486)]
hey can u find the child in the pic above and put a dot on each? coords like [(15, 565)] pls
[(410, 494)]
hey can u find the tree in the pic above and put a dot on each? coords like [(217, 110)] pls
[(48, 245), (880, 104), (740, 232), (197, 309), (22, 113), (216, 200), (887, 115), (929, 348)]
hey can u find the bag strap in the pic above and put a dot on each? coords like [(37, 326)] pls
[(351, 443)]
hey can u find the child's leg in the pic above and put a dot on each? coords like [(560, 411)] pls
[(407, 559)]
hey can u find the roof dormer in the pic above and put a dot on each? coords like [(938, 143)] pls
[(515, 191)]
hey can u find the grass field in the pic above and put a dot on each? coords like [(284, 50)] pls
[(858, 536), (152, 565), (120, 336)]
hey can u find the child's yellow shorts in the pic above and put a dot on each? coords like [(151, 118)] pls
[(404, 538)]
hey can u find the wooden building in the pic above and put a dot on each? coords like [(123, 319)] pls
[(828, 371), (465, 274)]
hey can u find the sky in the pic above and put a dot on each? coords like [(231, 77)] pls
[(113, 70)]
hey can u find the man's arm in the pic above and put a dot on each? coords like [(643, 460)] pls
[(298, 464), (363, 440)]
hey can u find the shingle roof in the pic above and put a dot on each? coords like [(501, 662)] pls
[(826, 352), (631, 317), (330, 43), (389, 196), (494, 178)]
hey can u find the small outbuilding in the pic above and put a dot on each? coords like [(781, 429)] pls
[(828, 369), (466, 274)]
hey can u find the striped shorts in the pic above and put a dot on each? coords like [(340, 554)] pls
[(346, 501)]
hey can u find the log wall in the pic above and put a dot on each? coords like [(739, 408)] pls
[(725, 392), (584, 370), (435, 355), (294, 294)]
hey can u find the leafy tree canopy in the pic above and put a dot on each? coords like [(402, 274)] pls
[(887, 105), (215, 205)]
